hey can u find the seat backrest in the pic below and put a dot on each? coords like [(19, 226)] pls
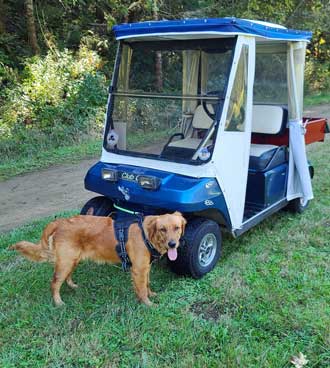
[(201, 120), (269, 119)]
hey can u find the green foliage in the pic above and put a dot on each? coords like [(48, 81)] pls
[(317, 77), (60, 98), (317, 69)]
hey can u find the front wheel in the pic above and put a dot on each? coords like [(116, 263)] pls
[(200, 249), (98, 206)]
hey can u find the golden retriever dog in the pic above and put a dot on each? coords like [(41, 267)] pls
[(66, 242)]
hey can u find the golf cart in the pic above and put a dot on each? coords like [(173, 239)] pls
[(204, 117)]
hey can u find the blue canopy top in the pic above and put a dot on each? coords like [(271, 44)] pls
[(211, 26)]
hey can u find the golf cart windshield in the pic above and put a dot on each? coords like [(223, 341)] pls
[(168, 98)]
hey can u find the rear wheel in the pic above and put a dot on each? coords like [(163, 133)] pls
[(98, 206), (297, 205), (200, 249)]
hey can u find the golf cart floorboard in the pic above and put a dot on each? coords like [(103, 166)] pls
[(252, 216), (251, 210)]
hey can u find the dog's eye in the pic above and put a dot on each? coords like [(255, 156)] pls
[(177, 228), (163, 230)]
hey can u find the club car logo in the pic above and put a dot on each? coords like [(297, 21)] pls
[(128, 176)]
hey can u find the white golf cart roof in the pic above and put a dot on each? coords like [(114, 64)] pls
[(207, 28)]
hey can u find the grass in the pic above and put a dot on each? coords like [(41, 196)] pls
[(12, 166), (87, 148), (317, 98), (267, 300)]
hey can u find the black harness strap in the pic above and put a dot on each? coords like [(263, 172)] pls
[(121, 226)]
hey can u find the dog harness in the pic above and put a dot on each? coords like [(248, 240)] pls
[(122, 223)]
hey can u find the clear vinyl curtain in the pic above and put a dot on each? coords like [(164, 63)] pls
[(204, 72), (125, 65), (190, 65), (299, 181), (123, 77), (190, 79)]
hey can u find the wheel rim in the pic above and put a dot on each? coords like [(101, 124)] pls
[(207, 249)]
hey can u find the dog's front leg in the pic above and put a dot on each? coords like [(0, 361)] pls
[(140, 281), (150, 292)]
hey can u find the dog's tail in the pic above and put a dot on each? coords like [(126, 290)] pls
[(41, 252)]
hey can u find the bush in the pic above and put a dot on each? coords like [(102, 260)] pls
[(60, 98), (317, 77)]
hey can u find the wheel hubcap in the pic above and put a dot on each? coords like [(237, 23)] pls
[(207, 250)]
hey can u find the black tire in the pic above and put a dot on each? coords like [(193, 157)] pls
[(189, 260), (295, 206), (98, 206)]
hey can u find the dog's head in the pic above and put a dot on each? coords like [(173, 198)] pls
[(165, 231)]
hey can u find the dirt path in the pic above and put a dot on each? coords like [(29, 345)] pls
[(321, 111), (42, 193)]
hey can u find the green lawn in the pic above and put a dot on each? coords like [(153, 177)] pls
[(267, 300), (12, 166), (317, 99), (87, 148)]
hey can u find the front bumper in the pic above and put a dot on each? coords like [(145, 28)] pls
[(175, 193)]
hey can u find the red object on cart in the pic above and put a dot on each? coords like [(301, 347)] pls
[(315, 132)]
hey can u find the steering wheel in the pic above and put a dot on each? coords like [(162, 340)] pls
[(211, 102)]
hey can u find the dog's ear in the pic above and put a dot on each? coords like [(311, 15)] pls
[(150, 223), (183, 225), (183, 221)]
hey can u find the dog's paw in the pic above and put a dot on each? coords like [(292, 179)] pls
[(151, 293), (72, 285), (59, 303), (147, 302)]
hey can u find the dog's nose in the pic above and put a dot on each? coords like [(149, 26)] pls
[(171, 243)]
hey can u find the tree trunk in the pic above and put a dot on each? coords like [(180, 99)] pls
[(31, 28), (133, 10), (158, 57), (2, 17), (159, 71)]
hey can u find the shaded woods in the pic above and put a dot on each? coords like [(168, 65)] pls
[(56, 59)]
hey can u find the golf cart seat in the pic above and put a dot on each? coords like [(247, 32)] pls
[(185, 146), (267, 120), (201, 122)]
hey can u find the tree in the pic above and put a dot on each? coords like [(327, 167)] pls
[(158, 56), (2, 17), (31, 28), (135, 11)]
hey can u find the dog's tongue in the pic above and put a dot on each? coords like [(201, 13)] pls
[(172, 254)]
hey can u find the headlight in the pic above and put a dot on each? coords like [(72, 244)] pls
[(110, 175), (149, 182)]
